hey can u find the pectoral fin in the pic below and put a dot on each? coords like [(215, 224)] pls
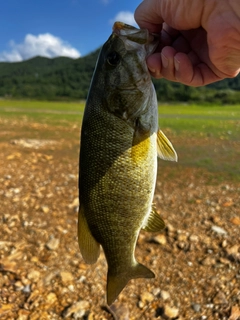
[(154, 222), (165, 148), (89, 247)]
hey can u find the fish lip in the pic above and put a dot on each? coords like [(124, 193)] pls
[(137, 36)]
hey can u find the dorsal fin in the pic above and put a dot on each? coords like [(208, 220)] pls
[(165, 148)]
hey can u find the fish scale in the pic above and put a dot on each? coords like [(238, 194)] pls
[(120, 141)]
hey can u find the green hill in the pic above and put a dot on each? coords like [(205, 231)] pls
[(68, 79)]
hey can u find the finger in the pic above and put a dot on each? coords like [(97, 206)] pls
[(147, 16), (161, 64), (180, 44), (154, 63), (181, 67), (190, 72)]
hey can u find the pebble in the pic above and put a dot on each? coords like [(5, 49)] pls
[(165, 295), (51, 298), (235, 220), (146, 297), (171, 312), (52, 244), (208, 261), (49, 277), (218, 230), (194, 238), (66, 277), (120, 311), (34, 275), (23, 314), (234, 253), (78, 309), (45, 209), (160, 239), (196, 307), (220, 298), (224, 243), (26, 289)]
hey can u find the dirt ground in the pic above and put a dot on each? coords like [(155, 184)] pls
[(196, 259)]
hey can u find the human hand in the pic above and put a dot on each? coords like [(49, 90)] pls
[(199, 40)]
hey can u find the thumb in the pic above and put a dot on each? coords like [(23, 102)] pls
[(148, 16)]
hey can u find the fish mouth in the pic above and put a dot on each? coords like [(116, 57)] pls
[(133, 37)]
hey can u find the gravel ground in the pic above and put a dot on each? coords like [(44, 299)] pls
[(196, 259)]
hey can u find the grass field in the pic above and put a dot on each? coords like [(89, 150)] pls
[(204, 136)]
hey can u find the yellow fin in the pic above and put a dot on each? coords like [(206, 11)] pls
[(116, 282), (165, 148), (154, 223), (89, 247)]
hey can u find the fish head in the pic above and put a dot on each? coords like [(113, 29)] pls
[(122, 72)]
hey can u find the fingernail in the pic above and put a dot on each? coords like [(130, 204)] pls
[(164, 61), (152, 70), (176, 64)]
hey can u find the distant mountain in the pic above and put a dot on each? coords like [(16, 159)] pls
[(44, 78), (65, 78)]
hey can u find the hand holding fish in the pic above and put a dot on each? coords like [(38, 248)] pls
[(199, 40)]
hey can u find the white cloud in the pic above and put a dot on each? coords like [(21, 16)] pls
[(45, 45), (126, 17)]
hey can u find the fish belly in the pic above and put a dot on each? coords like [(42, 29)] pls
[(117, 188)]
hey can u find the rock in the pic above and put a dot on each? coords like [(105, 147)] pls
[(34, 275), (74, 204), (235, 220), (49, 277), (52, 244), (18, 286), (235, 313), (66, 277), (156, 292), (208, 261), (218, 230), (196, 307), (160, 239), (224, 243), (32, 143), (234, 253), (171, 312), (120, 311), (220, 298), (26, 289), (193, 238), (78, 309), (146, 297), (51, 298), (23, 314), (164, 295), (45, 209)]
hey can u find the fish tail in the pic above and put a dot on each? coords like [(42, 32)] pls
[(116, 282)]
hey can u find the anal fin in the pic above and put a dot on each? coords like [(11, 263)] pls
[(89, 247), (154, 223), (165, 148)]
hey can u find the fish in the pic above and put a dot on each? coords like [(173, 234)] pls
[(120, 143)]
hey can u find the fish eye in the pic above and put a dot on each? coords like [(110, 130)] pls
[(113, 58)]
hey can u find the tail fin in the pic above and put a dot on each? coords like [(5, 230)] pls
[(116, 282)]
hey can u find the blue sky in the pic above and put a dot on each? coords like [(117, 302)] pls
[(58, 27)]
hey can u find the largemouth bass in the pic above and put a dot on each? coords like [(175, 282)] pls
[(120, 141)]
